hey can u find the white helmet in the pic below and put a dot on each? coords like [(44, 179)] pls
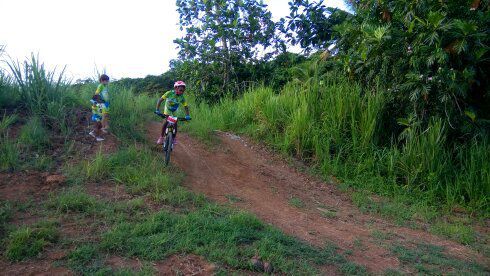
[(179, 83)]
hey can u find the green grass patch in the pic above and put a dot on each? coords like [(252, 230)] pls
[(85, 259), (381, 235), (33, 135), (221, 235), (28, 242), (141, 171), (366, 204), (327, 212), (42, 162), (431, 259), (233, 198), (455, 231), (9, 155), (6, 122), (132, 206), (74, 200), (296, 202), (9, 96), (129, 114), (6, 212)]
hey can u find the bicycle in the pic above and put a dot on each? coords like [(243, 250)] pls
[(168, 145)]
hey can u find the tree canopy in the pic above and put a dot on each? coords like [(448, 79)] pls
[(221, 37)]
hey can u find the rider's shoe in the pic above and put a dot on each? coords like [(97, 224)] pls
[(160, 140), (99, 139), (174, 141), (92, 133)]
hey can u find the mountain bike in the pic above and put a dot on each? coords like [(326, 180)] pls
[(168, 143)]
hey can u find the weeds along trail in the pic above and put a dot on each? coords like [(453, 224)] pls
[(249, 177)]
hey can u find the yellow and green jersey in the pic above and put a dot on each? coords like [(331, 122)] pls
[(103, 91), (172, 102)]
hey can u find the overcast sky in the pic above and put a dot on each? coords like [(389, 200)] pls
[(127, 38)]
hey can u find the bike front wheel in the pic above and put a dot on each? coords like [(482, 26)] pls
[(168, 148)]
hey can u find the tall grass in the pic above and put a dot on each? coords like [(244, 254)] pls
[(33, 135), (44, 93), (38, 87), (129, 113), (336, 127), (8, 96)]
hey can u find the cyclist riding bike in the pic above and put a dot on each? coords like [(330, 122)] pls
[(173, 99)]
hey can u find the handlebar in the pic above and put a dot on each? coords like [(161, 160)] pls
[(165, 116)]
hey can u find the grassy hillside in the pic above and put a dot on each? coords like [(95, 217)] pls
[(146, 214), (336, 128)]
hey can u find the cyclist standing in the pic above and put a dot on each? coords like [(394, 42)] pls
[(103, 92), (173, 99)]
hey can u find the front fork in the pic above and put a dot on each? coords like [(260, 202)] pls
[(172, 129)]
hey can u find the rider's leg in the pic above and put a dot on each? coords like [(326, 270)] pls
[(175, 135), (162, 134), (105, 122), (105, 117), (164, 126)]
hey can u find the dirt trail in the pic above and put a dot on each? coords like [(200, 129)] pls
[(254, 179)]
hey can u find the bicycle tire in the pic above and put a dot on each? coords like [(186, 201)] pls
[(169, 148)]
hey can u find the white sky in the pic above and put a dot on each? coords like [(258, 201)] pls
[(127, 38)]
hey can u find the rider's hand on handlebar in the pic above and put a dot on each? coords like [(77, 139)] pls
[(187, 117)]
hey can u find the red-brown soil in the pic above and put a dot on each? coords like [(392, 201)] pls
[(44, 266), (173, 265)]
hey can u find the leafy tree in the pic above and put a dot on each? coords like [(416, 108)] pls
[(310, 24), (432, 55), (150, 84), (220, 38)]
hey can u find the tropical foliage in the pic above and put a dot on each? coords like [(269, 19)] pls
[(433, 56)]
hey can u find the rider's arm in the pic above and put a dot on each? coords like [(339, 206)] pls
[(164, 97), (98, 90), (159, 103)]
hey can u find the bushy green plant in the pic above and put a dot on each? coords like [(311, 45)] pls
[(8, 96), (6, 122), (73, 200), (9, 155), (27, 242), (5, 215), (432, 56), (33, 134), (129, 114), (37, 86)]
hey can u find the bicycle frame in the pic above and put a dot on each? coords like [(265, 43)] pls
[(170, 129)]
